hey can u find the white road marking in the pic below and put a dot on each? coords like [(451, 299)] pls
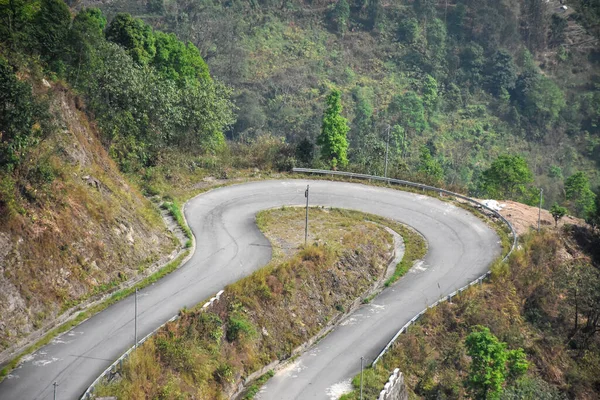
[(43, 363)]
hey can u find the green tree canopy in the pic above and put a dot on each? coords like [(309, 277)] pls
[(409, 30), (20, 115), (430, 93), (134, 35), (52, 27), (178, 61), (341, 16), (506, 177), (580, 195), (502, 72), (491, 364), (429, 166), (334, 128)]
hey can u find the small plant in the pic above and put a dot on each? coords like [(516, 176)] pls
[(237, 326), (557, 213)]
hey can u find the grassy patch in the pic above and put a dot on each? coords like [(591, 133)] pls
[(175, 210), (257, 384)]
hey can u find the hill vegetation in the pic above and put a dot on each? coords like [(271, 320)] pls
[(544, 301), (458, 82), (100, 107)]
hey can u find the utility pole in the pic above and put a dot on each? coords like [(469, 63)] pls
[(387, 147), (135, 319), (306, 219), (361, 377), (540, 208), (55, 385)]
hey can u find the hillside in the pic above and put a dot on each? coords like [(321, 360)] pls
[(72, 226), (465, 80)]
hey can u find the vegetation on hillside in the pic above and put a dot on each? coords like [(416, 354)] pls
[(544, 301), (469, 80)]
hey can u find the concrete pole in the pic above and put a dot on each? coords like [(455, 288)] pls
[(306, 219), (135, 320), (55, 385), (387, 146), (361, 377), (540, 209)]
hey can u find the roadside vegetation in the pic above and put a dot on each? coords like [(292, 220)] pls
[(266, 316), (538, 319)]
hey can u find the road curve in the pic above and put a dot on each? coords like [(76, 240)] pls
[(229, 247)]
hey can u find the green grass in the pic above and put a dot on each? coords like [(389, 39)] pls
[(257, 384), (175, 210)]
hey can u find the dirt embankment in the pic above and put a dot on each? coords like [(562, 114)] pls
[(524, 217), (80, 232)]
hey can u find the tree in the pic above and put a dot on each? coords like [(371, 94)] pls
[(578, 191), (491, 364), (334, 128), (134, 35), (429, 166), (20, 115), (305, 151), (436, 42), (410, 114), (376, 14), (341, 16), (558, 212), (430, 93), (85, 37), (501, 72), (472, 61), (506, 177), (409, 30), (540, 99), (594, 218), (52, 26), (177, 61)]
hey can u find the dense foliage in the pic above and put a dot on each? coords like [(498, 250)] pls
[(332, 139), (147, 89), (469, 80)]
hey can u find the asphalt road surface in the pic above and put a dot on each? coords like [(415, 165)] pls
[(229, 247)]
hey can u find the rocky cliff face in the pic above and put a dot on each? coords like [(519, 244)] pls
[(80, 231)]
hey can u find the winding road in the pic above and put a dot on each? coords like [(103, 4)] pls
[(229, 247)]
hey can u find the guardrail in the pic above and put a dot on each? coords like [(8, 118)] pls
[(433, 189)]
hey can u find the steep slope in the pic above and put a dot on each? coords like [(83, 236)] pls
[(72, 228)]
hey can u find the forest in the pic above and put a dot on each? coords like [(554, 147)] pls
[(491, 98)]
